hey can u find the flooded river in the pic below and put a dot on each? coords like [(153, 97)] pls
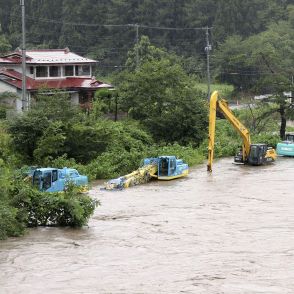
[(228, 232)]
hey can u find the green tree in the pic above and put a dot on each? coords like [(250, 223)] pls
[(160, 95), (85, 142), (55, 106), (146, 52), (262, 63), (4, 43), (70, 208), (245, 17), (51, 143), (110, 44), (40, 132), (10, 224), (105, 102), (26, 131), (233, 67)]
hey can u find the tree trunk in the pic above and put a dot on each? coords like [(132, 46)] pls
[(283, 121)]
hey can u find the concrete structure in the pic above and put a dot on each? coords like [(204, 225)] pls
[(49, 69)]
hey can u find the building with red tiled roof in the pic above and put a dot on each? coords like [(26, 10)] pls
[(49, 69)]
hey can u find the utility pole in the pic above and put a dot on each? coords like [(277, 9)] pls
[(23, 53), (208, 49), (137, 47)]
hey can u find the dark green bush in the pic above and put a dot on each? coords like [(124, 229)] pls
[(120, 162), (10, 222), (227, 140), (10, 226), (2, 112), (35, 208), (267, 138)]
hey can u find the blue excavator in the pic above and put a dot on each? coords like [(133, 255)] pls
[(162, 168), (56, 180), (286, 148)]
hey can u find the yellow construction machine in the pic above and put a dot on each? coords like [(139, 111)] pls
[(252, 154)]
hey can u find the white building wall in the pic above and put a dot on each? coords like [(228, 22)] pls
[(4, 87), (14, 102)]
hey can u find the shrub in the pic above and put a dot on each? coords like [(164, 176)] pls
[(35, 208), (189, 154), (227, 140), (160, 96), (9, 223), (2, 112), (267, 138), (120, 162)]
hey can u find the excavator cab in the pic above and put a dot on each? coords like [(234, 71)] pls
[(166, 166), (44, 178), (257, 154), (289, 137)]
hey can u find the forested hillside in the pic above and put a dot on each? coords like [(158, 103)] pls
[(105, 30)]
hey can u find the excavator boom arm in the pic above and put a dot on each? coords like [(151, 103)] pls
[(211, 129), (222, 105)]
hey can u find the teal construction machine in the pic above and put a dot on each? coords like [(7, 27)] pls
[(286, 147)]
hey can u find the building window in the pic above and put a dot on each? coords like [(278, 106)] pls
[(77, 70), (31, 70), (82, 70), (69, 70), (85, 70), (41, 71), (54, 71)]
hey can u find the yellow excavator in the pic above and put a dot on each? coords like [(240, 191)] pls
[(252, 154)]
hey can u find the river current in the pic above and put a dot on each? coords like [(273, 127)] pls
[(228, 232)]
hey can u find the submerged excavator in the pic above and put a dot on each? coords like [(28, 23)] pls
[(252, 154)]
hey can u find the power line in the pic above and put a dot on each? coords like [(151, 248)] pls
[(173, 28), (185, 43), (78, 24), (116, 25), (250, 74)]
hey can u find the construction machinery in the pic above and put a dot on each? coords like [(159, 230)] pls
[(252, 154), (56, 180), (140, 176), (168, 167), (286, 148), (163, 168)]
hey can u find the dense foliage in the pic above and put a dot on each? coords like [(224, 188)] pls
[(161, 97), (264, 64), (22, 206), (69, 208), (93, 27)]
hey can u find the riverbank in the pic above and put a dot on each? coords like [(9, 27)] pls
[(14, 211)]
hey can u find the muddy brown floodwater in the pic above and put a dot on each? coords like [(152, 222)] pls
[(228, 232)]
